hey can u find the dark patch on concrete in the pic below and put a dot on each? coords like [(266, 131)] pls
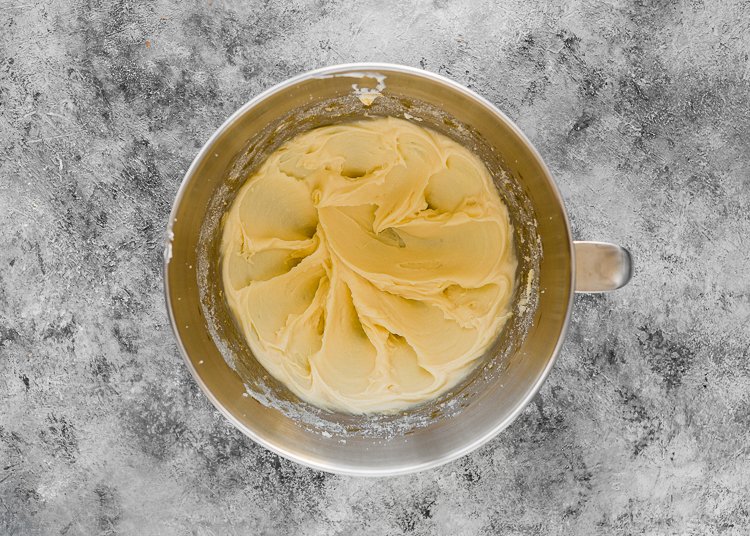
[(668, 358), (415, 518), (407, 522), (14, 444), (126, 339), (532, 58), (38, 252), (543, 421), (232, 38), (141, 172), (61, 330), (607, 354), (706, 184), (570, 40), (125, 304), (108, 511), (646, 427), (102, 218), (470, 471), (225, 445), (592, 83), (8, 334), (611, 352), (546, 423), (61, 437), (634, 409), (101, 369), (581, 473), (527, 42), (157, 419), (582, 123), (741, 414), (581, 488), (425, 508), (535, 89), (26, 381)]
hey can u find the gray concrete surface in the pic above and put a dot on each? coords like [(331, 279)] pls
[(642, 110)]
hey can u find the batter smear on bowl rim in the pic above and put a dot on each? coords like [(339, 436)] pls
[(369, 264)]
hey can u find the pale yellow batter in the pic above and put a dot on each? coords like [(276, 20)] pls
[(369, 264)]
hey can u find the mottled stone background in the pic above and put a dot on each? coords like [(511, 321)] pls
[(641, 109)]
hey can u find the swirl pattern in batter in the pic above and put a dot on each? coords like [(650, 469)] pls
[(369, 264)]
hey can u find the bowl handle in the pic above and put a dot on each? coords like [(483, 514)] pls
[(601, 267)]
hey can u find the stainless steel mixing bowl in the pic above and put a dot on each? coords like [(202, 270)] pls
[(551, 268)]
